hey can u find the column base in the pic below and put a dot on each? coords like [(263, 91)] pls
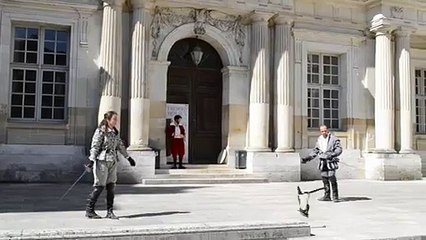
[(382, 151), (385, 166), (284, 150), (145, 167), (136, 147), (407, 151), (276, 167)]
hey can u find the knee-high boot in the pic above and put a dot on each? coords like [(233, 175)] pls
[(326, 183), (110, 201), (333, 181), (91, 202)]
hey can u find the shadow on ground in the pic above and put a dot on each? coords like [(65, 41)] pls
[(154, 214), (45, 197), (353, 199)]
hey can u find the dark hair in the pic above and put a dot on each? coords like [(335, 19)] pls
[(107, 116), (177, 117)]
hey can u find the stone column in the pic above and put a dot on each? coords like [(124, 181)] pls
[(283, 85), (111, 57), (139, 99), (405, 90), (259, 87), (384, 90)]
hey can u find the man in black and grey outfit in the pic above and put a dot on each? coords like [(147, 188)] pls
[(327, 149)]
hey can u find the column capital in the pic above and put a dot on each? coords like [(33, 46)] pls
[(280, 19), (382, 25), (114, 3), (138, 4), (404, 31), (258, 16)]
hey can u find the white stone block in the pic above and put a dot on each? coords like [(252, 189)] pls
[(393, 166), (145, 167), (276, 167)]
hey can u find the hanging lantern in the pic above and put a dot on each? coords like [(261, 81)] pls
[(197, 55)]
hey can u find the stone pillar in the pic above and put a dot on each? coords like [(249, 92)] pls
[(283, 85), (405, 90), (384, 91), (139, 99), (258, 138), (111, 57)]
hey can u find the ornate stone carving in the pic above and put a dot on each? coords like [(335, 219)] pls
[(397, 12), (175, 17)]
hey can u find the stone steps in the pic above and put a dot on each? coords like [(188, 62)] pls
[(222, 230), (212, 180)]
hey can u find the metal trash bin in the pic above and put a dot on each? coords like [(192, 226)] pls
[(157, 157), (240, 159)]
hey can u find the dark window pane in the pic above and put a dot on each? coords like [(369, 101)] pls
[(335, 114), (315, 78), (315, 93), (326, 93), (327, 123), (30, 87), (327, 103), (18, 74), (50, 35), (334, 61), (16, 112), (60, 77), (315, 102), (47, 88), (32, 33), (32, 46), (335, 80), (20, 32), (315, 113), (61, 60), (17, 87), (326, 79), (335, 70), (47, 76), (49, 59), (30, 75), (19, 57), (20, 45), (16, 99), (335, 104), (29, 100), (58, 113), (61, 48), (31, 57), (59, 101), (315, 123), (60, 89), (315, 69), (46, 113), (326, 59), (327, 114), (327, 69), (62, 36), (315, 58), (309, 78), (47, 101), (335, 123), (29, 112), (418, 73), (49, 47), (334, 94)]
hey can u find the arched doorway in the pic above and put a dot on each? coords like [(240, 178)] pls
[(199, 86)]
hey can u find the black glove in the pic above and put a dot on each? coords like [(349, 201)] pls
[(305, 159), (90, 164), (131, 161)]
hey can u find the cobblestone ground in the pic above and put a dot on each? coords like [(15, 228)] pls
[(369, 209)]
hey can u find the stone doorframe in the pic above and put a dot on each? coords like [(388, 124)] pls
[(235, 90)]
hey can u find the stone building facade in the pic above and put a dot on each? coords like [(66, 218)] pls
[(254, 75)]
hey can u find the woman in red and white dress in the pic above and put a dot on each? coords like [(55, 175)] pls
[(176, 132)]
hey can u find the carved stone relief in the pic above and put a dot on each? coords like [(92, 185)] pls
[(397, 12), (170, 18)]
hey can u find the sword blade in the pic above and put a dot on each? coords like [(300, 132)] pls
[(72, 186)]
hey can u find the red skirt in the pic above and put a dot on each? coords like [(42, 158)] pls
[(178, 147)]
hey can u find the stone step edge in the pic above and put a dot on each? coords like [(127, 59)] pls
[(161, 181), (302, 229)]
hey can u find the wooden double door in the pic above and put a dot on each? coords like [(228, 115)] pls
[(201, 88)]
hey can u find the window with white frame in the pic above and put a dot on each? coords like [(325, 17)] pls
[(420, 100), (39, 73), (323, 90)]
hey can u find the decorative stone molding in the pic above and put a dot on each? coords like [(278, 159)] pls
[(397, 12), (83, 21), (176, 17)]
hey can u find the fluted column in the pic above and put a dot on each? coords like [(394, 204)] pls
[(284, 86), (139, 99), (384, 89), (405, 89), (259, 88), (111, 57)]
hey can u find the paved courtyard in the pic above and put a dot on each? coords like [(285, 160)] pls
[(369, 209)]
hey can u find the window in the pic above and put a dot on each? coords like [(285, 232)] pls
[(323, 90), (420, 100), (39, 72)]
